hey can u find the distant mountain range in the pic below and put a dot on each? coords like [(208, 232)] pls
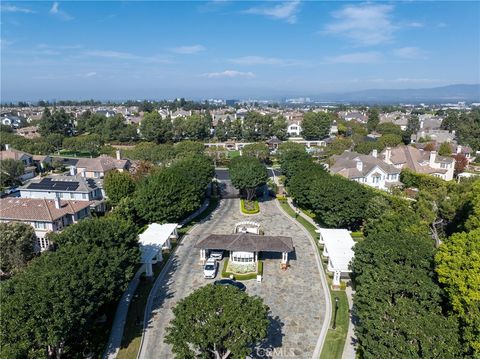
[(451, 93)]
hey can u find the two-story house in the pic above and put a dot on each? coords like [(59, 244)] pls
[(420, 161), (73, 187), (44, 215), (98, 167), (366, 169)]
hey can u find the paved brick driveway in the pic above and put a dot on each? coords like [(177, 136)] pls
[(295, 296)]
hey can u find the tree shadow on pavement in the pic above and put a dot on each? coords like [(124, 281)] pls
[(273, 341)]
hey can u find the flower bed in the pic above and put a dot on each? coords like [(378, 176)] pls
[(249, 207), (241, 274)]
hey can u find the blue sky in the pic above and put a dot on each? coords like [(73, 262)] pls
[(119, 50)]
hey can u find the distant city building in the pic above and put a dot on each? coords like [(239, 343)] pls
[(231, 102)]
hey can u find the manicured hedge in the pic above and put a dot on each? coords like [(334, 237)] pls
[(249, 276), (247, 211)]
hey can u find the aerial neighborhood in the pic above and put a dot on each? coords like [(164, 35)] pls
[(239, 179), (267, 184)]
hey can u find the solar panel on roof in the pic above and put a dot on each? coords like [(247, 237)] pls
[(49, 184)]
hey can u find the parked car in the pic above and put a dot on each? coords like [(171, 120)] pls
[(12, 192), (216, 254), (210, 268), (233, 283)]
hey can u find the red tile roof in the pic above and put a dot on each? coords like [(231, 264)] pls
[(33, 209)]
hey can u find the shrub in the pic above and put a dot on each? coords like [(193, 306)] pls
[(249, 207)]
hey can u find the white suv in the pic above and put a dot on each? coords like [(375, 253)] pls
[(216, 254), (210, 268)]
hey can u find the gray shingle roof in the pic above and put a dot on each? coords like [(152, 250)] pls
[(246, 242)]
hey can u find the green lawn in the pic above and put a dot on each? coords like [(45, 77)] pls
[(132, 334), (233, 154), (335, 340), (308, 226)]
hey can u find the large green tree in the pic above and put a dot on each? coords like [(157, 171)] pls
[(258, 150), (397, 301), (17, 241), (154, 128), (458, 268), (168, 194), (247, 174), (316, 125), (10, 171), (217, 321), (118, 185), (373, 119), (59, 122), (49, 308)]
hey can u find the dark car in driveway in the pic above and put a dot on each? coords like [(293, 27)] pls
[(233, 283)]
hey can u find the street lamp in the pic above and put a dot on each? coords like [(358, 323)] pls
[(335, 314)]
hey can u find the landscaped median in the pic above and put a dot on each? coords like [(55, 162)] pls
[(249, 207), (236, 270), (132, 334)]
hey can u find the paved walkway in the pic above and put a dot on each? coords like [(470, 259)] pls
[(116, 334), (349, 351), (296, 297)]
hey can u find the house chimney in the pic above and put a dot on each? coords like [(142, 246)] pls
[(388, 154), (58, 205), (119, 155), (359, 165), (433, 156), (73, 171), (459, 149), (374, 153), (7, 147), (421, 124)]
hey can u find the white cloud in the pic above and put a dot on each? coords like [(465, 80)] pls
[(117, 55), (261, 60), (365, 24), (229, 73), (188, 50), (13, 8), (410, 53), (90, 74), (55, 10), (286, 11), (58, 47), (415, 80), (415, 24), (355, 58)]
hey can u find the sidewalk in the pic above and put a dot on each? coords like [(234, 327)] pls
[(349, 351), (350, 344), (116, 335)]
